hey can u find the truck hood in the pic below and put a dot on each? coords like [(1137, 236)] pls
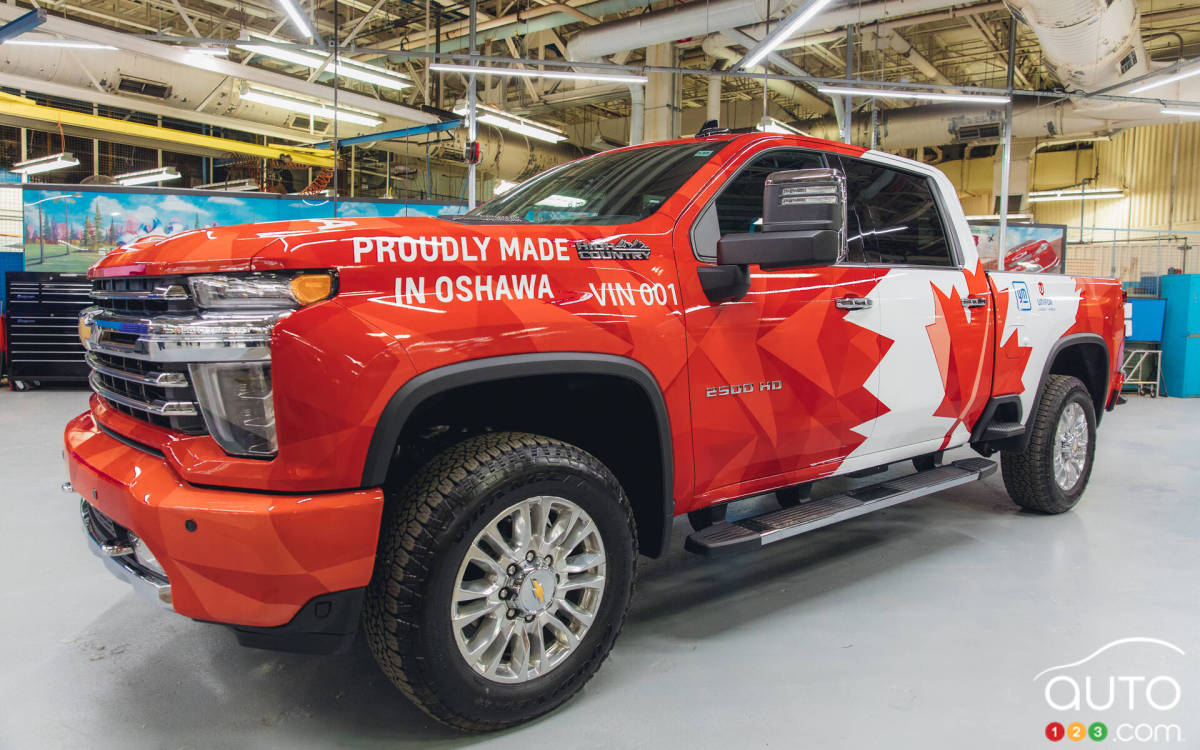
[(269, 246)]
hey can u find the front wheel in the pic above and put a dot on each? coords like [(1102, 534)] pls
[(504, 573), (1049, 476)]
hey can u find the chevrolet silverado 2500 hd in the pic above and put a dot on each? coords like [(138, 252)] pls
[(461, 433)]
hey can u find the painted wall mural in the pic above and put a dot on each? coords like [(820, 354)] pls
[(69, 230)]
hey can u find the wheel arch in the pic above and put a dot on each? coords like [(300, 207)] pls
[(648, 479), (1082, 355)]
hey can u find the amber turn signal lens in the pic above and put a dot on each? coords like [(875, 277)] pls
[(312, 287)]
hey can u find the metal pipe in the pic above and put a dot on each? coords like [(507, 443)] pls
[(472, 130), (1006, 159)]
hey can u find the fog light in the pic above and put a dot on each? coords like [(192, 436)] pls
[(146, 558)]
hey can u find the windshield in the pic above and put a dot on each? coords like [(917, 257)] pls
[(616, 187)]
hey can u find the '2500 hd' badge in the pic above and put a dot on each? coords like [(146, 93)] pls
[(623, 250)]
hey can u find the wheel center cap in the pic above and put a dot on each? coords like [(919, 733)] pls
[(536, 591)]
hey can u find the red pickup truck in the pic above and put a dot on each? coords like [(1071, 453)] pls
[(461, 433)]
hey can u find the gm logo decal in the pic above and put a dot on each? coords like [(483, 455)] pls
[(1021, 292)]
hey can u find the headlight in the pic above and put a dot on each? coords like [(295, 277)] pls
[(260, 291), (239, 311), (238, 408)]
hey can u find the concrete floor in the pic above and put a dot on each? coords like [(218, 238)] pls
[(921, 626)]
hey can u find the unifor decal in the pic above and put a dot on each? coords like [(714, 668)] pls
[(622, 250)]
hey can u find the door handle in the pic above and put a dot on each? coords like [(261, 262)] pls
[(853, 303), (974, 302)]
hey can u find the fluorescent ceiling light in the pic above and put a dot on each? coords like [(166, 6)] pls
[(996, 217), (297, 18), (902, 94), (243, 186), (357, 117), (210, 51), (312, 58), (771, 125), (514, 124), (1164, 81), (1074, 194), (569, 75), (45, 164), (1181, 111), (790, 26), (59, 44), (161, 174)]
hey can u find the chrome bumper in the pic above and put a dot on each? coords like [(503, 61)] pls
[(118, 559)]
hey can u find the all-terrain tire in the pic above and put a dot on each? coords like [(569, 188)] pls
[(426, 532), (1029, 475)]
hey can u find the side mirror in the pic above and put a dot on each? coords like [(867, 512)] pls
[(803, 223)]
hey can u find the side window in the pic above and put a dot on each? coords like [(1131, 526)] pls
[(892, 217), (738, 207)]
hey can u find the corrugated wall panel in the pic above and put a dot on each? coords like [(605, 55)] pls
[(1140, 161)]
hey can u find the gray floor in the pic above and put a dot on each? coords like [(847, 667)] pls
[(922, 626)]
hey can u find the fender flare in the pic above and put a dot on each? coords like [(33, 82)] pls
[(417, 390), (1019, 442)]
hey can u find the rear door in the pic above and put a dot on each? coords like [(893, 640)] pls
[(936, 313), (782, 379)]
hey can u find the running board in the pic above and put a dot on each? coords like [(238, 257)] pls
[(782, 524)]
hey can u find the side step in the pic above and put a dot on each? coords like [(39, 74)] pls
[(788, 522)]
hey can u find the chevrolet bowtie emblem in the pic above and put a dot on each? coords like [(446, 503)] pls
[(538, 591)]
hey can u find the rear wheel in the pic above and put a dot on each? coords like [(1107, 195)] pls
[(504, 573), (1049, 476)]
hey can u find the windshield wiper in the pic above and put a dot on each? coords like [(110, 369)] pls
[(486, 219)]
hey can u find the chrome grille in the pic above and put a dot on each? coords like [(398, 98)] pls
[(143, 295), (157, 392), (160, 393)]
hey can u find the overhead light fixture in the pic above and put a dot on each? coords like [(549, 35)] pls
[(241, 186), (45, 164), (313, 58), (146, 176), (514, 123), (786, 30), (771, 125), (316, 109), (1153, 84), (58, 44), (909, 94), (996, 217), (210, 51), (297, 18), (1074, 194), (1181, 111), (568, 75)]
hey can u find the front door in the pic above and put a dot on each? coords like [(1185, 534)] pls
[(782, 380)]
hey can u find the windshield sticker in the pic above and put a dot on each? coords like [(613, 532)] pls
[(623, 250), (705, 152)]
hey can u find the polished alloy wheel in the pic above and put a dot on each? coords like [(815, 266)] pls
[(1070, 445), (528, 589)]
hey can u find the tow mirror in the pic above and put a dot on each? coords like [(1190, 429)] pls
[(803, 224)]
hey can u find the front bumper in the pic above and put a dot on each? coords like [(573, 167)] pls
[(252, 559)]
